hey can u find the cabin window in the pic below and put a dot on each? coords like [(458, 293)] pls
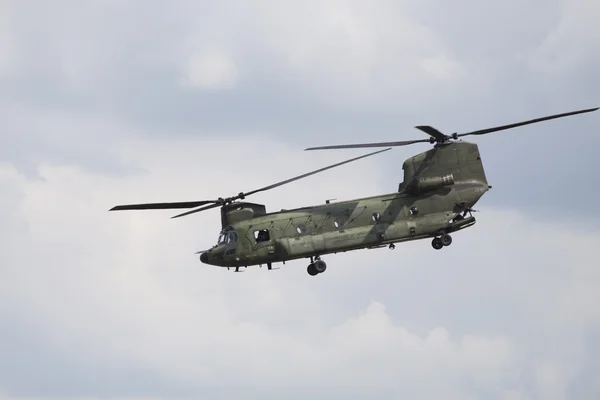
[(262, 235), (301, 229), (376, 217)]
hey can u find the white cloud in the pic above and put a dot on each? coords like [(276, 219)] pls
[(8, 55), (125, 288), (441, 67), (211, 70), (89, 296), (552, 380), (572, 41), (351, 53)]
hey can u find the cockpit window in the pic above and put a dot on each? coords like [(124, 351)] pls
[(227, 236), (232, 237)]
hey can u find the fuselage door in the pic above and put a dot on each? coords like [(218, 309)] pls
[(263, 242)]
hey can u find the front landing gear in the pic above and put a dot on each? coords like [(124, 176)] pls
[(316, 267), (439, 242)]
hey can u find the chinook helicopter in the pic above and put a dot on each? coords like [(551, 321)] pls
[(434, 200)]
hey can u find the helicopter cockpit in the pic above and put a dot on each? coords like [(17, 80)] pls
[(227, 236)]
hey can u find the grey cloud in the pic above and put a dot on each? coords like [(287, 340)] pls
[(99, 117), (33, 366), (134, 75), (31, 138), (122, 294)]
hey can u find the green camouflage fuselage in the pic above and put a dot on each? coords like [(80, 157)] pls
[(438, 186)]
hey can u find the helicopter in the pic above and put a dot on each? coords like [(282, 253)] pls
[(435, 199)]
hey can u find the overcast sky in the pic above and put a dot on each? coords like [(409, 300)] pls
[(111, 102)]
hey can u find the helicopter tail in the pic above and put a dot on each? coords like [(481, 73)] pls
[(453, 164)]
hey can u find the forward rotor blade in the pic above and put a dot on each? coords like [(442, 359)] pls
[(162, 206), (533, 121), (439, 136), (197, 210), (363, 145), (313, 172)]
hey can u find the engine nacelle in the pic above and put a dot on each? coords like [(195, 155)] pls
[(239, 211), (430, 184)]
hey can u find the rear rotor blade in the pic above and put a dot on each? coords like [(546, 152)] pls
[(533, 121), (313, 172), (363, 145), (162, 206)]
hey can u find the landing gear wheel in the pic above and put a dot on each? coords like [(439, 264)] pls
[(320, 266), (437, 243), (312, 271), (446, 239)]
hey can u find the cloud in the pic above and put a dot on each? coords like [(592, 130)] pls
[(7, 48), (570, 42), (212, 70), (441, 67), (353, 55), (117, 305), (113, 292)]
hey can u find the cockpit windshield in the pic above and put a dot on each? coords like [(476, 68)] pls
[(228, 235)]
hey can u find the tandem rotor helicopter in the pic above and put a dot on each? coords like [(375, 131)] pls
[(435, 199)]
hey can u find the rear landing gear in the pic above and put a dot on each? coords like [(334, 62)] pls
[(446, 239), (316, 267), (439, 242)]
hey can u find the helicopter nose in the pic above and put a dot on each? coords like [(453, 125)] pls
[(204, 257)]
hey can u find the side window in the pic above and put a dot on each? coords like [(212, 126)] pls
[(301, 229), (262, 235), (232, 238)]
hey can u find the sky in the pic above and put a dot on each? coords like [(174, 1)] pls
[(114, 102)]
